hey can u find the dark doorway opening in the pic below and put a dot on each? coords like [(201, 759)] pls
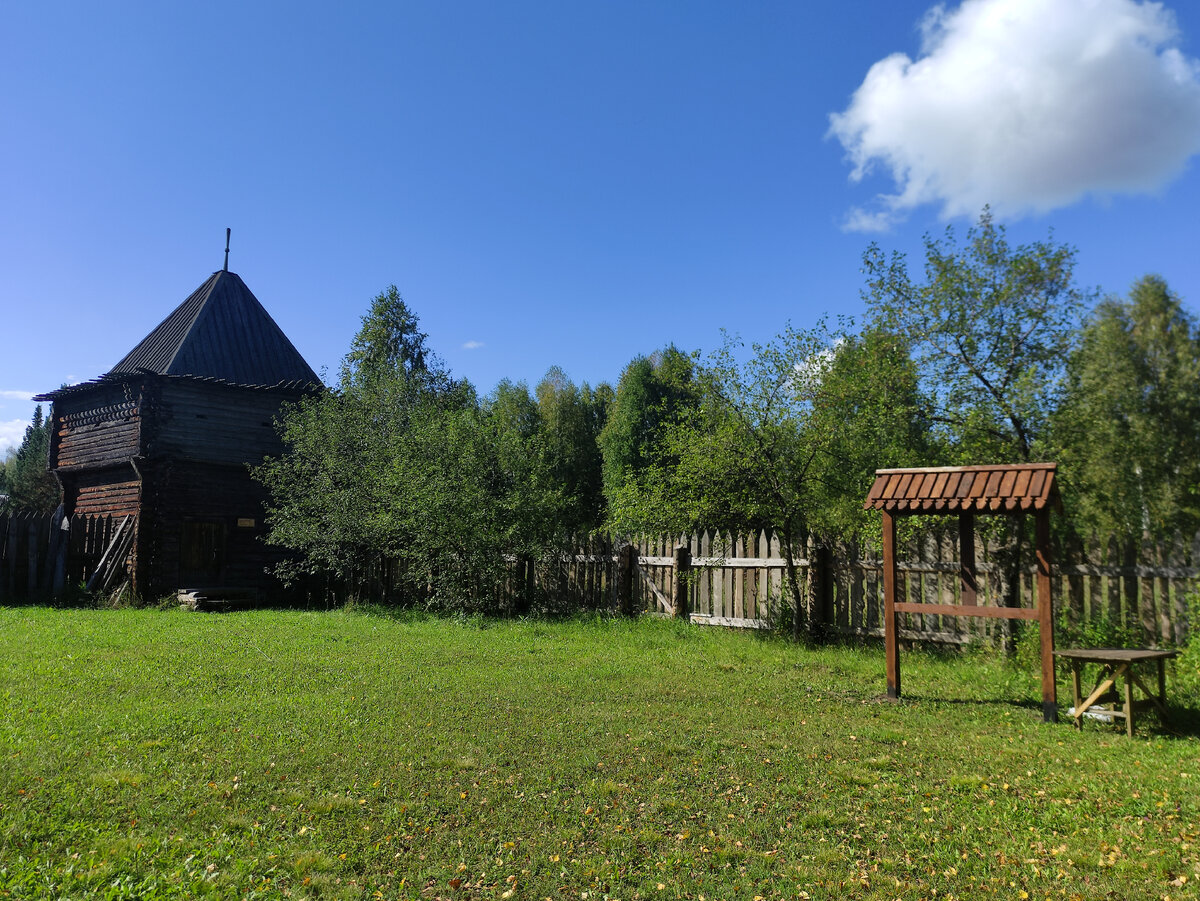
[(202, 554)]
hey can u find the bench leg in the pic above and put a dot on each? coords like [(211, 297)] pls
[(1128, 702), (1076, 689)]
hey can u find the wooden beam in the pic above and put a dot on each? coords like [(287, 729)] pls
[(967, 610), (1045, 608), (891, 624)]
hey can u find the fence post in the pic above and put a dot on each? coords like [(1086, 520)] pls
[(679, 581), (626, 561), (524, 587), (819, 578)]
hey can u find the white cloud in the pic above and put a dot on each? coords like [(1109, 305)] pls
[(472, 345), (12, 433), (17, 395), (1027, 105)]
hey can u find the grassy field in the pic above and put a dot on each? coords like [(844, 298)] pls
[(150, 754)]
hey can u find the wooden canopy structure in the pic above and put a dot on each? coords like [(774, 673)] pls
[(965, 491)]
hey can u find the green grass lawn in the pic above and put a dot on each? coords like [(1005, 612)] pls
[(150, 754)]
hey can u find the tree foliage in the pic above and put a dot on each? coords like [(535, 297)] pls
[(774, 439), (652, 392), (990, 327), (390, 347), (403, 470), (1128, 431), (570, 419), (28, 482)]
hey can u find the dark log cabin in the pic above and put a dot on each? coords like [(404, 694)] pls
[(166, 437)]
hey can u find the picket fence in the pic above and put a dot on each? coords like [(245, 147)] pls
[(42, 555), (739, 581)]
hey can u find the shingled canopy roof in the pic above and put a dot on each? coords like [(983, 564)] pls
[(963, 489), (221, 332)]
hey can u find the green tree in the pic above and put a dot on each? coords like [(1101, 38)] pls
[(338, 493), (651, 392), (390, 347), (770, 438), (30, 485), (873, 416), (531, 497), (1128, 430), (404, 473), (990, 327), (571, 418)]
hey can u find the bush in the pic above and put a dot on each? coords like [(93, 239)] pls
[(1187, 664)]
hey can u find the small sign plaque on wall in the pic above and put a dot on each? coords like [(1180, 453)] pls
[(245, 522)]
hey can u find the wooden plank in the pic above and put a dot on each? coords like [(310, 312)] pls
[(1093, 603), (872, 589), (1145, 595), (856, 579), (661, 603), (737, 576), (1166, 631), (698, 572), (762, 549), (1115, 605), (927, 546), (32, 531), (775, 555), (967, 564), (961, 610), (732, 622)]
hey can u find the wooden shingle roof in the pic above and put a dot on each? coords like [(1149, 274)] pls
[(220, 332), (961, 489)]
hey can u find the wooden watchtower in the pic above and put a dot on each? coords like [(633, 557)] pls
[(166, 436)]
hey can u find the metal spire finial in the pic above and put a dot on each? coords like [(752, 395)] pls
[(228, 231)]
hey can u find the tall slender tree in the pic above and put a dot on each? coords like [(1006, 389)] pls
[(31, 487), (1128, 430)]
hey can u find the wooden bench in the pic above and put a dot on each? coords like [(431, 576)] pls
[(1117, 663)]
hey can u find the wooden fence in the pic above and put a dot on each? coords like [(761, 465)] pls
[(42, 555), (739, 581)]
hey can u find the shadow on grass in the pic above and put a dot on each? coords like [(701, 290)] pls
[(1180, 723)]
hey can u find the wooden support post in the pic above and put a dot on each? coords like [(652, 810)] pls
[(1046, 617), (891, 640), (626, 561), (524, 592), (966, 559), (679, 581), (1129, 700), (819, 578)]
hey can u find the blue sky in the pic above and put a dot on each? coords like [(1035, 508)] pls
[(565, 184)]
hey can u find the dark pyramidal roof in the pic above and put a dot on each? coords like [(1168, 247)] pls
[(221, 331)]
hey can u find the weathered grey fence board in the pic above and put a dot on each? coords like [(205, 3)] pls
[(39, 558), (740, 580)]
